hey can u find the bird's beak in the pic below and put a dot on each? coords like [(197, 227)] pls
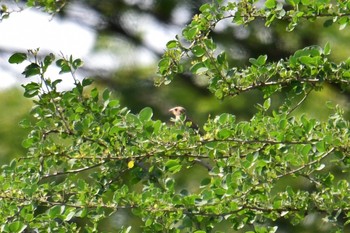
[(171, 110)]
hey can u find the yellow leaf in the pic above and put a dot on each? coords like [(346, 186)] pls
[(131, 164)]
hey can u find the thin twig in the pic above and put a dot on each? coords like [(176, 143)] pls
[(306, 165), (300, 102), (73, 171)]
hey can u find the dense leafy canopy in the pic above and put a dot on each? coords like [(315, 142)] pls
[(89, 157)]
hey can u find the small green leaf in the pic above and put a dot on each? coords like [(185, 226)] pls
[(327, 49), (27, 142), (87, 82), (224, 133), (222, 59), (198, 50), (68, 215), (205, 7), (306, 149), (205, 182), (63, 64), (163, 65), (172, 44), (320, 167), (49, 59), (262, 59), (343, 21), (55, 211), (328, 23), (146, 114), (106, 94), (25, 123), (17, 58), (77, 63), (270, 4), (308, 60), (31, 70), (31, 89), (113, 103), (225, 118), (17, 226), (267, 104), (190, 33), (320, 146), (306, 2), (173, 165), (199, 68)]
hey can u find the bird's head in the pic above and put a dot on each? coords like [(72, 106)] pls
[(178, 112)]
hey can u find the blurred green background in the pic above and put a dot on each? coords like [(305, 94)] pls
[(119, 32)]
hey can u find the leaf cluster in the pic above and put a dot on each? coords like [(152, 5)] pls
[(90, 158)]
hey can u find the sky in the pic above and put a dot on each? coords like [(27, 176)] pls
[(31, 29)]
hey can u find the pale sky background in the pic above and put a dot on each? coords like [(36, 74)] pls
[(31, 29)]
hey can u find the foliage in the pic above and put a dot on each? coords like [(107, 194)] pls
[(11, 134), (89, 157)]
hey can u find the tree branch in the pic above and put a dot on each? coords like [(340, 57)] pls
[(306, 165), (73, 171)]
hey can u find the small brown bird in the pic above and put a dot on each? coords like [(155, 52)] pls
[(180, 115)]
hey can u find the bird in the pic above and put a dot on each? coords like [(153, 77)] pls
[(180, 116), (179, 113)]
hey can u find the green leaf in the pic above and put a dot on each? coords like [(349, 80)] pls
[(77, 63), (267, 104), (198, 50), (63, 64), (27, 142), (17, 58), (205, 182), (306, 149), (56, 211), (69, 214), (149, 222), (190, 32), (31, 89), (226, 118), (172, 44), (320, 146), (25, 123), (306, 2), (87, 82), (309, 60), (17, 226), (163, 65), (173, 165), (205, 7), (49, 59), (327, 49), (260, 61), (31, 70), (199, 68), (320, 167), (328, 23), (113, 103), (222, 58), (106, 94), (343, 21), (146, 114), (270, 4), (224, 133)]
